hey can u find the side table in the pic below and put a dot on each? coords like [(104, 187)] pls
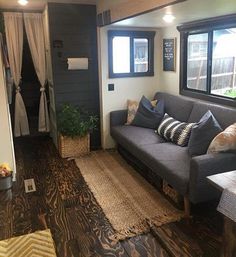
[(223, 181)]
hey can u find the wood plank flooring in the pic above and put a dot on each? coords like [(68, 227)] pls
[(79, 227)]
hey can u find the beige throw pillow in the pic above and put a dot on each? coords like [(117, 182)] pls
[(225, 141), (132, 107)]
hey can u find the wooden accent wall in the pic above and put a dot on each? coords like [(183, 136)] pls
[(75, 26), (130, 8)]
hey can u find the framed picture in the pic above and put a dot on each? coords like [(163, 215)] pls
[(169, 54)]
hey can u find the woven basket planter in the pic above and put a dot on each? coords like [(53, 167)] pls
[(73, 147), (171, 193)]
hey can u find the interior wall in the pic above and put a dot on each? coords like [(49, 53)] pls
[(125, 88), (6, 149), (168, 81)]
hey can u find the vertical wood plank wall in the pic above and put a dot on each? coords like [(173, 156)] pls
[(75, 26), (122, 9)]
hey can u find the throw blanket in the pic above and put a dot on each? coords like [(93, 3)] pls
[(227, 205)]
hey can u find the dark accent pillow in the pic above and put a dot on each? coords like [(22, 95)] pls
[(148, 116), (175, 131), (203, 133)]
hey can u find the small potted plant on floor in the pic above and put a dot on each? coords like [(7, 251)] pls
[(75, 127), (5, 177)]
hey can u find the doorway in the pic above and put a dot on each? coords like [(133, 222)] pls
[(30, 88)]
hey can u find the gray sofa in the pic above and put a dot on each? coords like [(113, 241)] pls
[(171, 162)]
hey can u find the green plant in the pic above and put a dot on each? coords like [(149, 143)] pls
[(230, 93), (74, 122)]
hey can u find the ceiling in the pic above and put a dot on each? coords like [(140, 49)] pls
[(38, 4), (187, 11)]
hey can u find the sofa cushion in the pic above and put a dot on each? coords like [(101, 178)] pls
[(169, 161), (175, 131), (178, 107), (148, 116), (203, 133), (132, 137), (224, 115)]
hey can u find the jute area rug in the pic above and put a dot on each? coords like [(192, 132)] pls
[(129, 202), (36, 244)]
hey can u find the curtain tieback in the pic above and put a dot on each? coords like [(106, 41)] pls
[(42, 89), (18, 90)]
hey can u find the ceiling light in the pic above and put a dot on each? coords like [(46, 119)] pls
[(168, 18), (23, 2)]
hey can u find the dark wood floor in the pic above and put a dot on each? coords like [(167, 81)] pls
[(79, 227)]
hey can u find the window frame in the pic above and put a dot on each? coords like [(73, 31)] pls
[(199, 27), (149, 35)]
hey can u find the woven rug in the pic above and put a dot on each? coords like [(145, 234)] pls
[(36, 244), (130, 203)]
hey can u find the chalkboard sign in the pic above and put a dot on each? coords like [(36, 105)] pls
[(169, 54)]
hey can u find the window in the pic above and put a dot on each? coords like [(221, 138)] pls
[(208, 60), (197, 62), (130, 53)]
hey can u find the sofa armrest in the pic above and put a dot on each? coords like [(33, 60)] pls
[(205, 165), (118, 118)]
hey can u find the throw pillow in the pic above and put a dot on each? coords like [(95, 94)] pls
[(203, 133), (225, 141), (148, 116), (175, 131), (132, 107)]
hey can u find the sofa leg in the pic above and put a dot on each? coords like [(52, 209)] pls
[(186, 207)]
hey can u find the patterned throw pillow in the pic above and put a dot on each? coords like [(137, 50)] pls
[(225, 141), (132, 107), (175, 131)]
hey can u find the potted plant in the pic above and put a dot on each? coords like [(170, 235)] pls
[(74, 127), (5, 177)]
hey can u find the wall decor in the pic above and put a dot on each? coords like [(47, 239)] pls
[(169, 54), (77, 63)]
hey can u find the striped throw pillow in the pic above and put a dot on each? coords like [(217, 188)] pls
[(174, 130)]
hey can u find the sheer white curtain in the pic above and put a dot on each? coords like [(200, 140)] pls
[(35, 34), (14, 36)]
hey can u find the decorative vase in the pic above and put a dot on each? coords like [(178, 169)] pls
[(5, 183)]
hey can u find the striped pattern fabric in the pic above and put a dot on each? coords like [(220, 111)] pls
[(174, 130), (38, 244)]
